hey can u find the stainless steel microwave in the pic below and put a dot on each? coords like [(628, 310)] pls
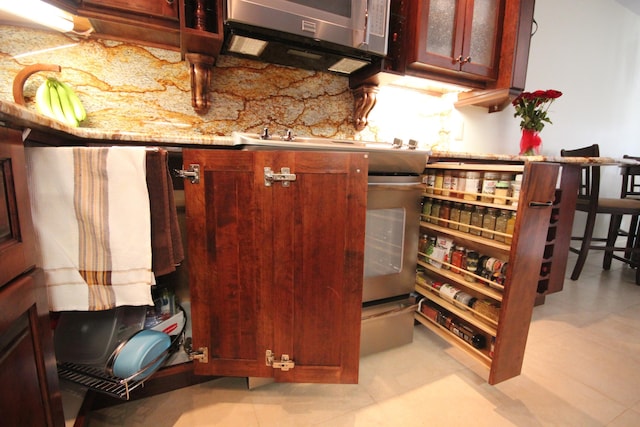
[(354, 30)]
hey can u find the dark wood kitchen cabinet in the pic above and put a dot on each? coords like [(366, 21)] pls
[(164, 8), (482, 45), (148, 22), (276, 268), (457, 36), (30, 393)]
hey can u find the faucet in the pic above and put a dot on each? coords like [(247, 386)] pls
[(288, 136)]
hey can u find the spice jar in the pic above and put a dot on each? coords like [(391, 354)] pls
[(422, 245), (489, 223), (427, 203), (448, 292), (471, 265), (465, 217), (477, 218), (464, 299), (437, 185), (501, 225), (457, 259), (511, 225), (515, 189), (487, 308), (489, 186), (430, 180), (472, 185), (446, 183), (445, 212), (454, 215), (502, 189), (435, 211), (455, 177), (462, 182)]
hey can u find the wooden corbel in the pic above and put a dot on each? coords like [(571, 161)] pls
[(200, 68), (364, 98)]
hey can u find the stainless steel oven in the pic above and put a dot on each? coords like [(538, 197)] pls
[(390, 258), (391, 236)]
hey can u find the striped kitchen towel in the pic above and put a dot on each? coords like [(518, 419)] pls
[(90, 208)]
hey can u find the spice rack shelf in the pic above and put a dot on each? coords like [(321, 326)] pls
[(523, 250), (453, 339), (467, 237), (454, 199), (484, 323), (483, 286)]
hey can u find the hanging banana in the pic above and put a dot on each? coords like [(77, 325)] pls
[(78, 109), (57, 100), (43, 100), (65, 103)]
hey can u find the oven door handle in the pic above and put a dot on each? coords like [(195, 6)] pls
[(396, 186)]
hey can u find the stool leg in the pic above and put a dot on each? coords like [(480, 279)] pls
[(631, 237), (584, 247), (612, 236)]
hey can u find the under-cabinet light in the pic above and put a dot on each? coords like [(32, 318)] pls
[(40, 13), (247, 46), (347, 65)]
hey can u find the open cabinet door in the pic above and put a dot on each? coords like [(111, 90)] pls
[(277, 266)]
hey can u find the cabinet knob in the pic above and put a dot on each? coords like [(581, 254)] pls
[(466, 60)]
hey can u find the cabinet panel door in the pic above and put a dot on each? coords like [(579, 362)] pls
[(440, 33), (277, 267), (527, 248), (482, 37), (318, 260), (28, 375), (17, 245), (225, 239)]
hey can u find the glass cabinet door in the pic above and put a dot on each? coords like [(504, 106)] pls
[(482, 37), (458, 35)]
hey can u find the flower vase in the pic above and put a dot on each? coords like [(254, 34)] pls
[(530, 142)]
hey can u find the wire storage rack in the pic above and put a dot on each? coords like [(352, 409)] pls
[(100, 379)]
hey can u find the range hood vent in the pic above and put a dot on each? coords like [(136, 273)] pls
[(292, 50)]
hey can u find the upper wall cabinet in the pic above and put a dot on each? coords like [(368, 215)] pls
[(153, 22), (163, 9), (149, 22), (457, 36), (479, 44)]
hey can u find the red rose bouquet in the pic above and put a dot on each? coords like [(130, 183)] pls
[(532, 108)]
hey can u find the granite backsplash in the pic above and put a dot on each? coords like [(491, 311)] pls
[(129, 87)]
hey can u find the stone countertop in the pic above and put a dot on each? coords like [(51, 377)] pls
[(17, 116), (461, 157)]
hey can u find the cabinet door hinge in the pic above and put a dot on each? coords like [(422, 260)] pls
[(200, 355), (284, 364), (285, 176), (193, 173)]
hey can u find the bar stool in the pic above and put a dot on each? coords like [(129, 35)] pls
[(631, 189), (590, 202)]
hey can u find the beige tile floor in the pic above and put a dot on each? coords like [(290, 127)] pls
[(581, 368)]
